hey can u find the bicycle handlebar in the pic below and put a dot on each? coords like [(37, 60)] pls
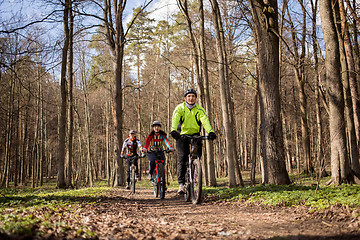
[(159, 150), (197, 137), (133, 156)]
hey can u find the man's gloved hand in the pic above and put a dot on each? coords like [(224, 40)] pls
[(212, 136), (175, 134)]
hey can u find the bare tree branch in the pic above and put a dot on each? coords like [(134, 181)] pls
[(29, 24)]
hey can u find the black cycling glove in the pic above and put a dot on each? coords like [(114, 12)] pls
[(212, 136), (175, 134)]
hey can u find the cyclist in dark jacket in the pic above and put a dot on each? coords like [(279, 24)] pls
[(157, 139), (188, 117), (130, 148)]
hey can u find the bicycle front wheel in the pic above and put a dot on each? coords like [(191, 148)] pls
[(196, 185), (161, 183), (187, 192), (155, 185), (133, 180)]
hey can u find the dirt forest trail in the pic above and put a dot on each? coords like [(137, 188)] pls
[(122, 215)]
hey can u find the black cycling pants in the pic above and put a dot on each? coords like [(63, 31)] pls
[(183, 150), (128, 168)]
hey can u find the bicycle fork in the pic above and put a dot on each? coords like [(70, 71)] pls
[(191, 179)]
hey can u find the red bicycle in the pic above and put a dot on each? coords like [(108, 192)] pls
[(158, 176)]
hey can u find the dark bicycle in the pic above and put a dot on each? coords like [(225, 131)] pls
[(158, 176), (193, 177), (132, 160)]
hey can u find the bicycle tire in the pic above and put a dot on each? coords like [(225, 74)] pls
[(196, 185), (187, 194), (161, 183), (133, 180), (154, 184)]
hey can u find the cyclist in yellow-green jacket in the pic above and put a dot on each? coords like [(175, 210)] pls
[(188, 118)]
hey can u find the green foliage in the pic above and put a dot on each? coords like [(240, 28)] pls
[(18, 208), (291, 195), (14, 224), (35, 212), (45, 197)]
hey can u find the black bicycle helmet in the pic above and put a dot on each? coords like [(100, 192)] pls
[(190, 90), (156, 123)]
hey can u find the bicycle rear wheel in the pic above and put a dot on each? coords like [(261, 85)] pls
[(196, 185), (133, 180), (161, 182)]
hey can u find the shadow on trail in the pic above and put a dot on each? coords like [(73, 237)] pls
[(34, 200), (304, 237), (146, 197), (142, 196)]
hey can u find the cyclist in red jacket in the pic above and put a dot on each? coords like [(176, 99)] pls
[(155, 140)]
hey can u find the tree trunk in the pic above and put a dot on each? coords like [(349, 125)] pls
[(62, 125), (139, 109), (255, 137), (25, 150), (36, 148), (42, 158), (19, 139), (339, 157), (71, 101), (300, 76), (115, 36), (8, 137), (266, 28), (107, 133), (244, 128), (120, 180), (209, 145), (353, 94), (224, 97), (89, 171), (319, 125), (153, 99), (349, 120)]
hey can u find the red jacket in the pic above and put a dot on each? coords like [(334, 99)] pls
[(157, 140)]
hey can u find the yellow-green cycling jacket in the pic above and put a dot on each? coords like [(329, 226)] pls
[(190, 121)]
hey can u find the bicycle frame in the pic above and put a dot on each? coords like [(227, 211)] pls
[(157, 162), (131, 160), (158, 156), (157, 185)]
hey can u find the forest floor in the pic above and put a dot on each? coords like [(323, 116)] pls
[(119, 214)]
